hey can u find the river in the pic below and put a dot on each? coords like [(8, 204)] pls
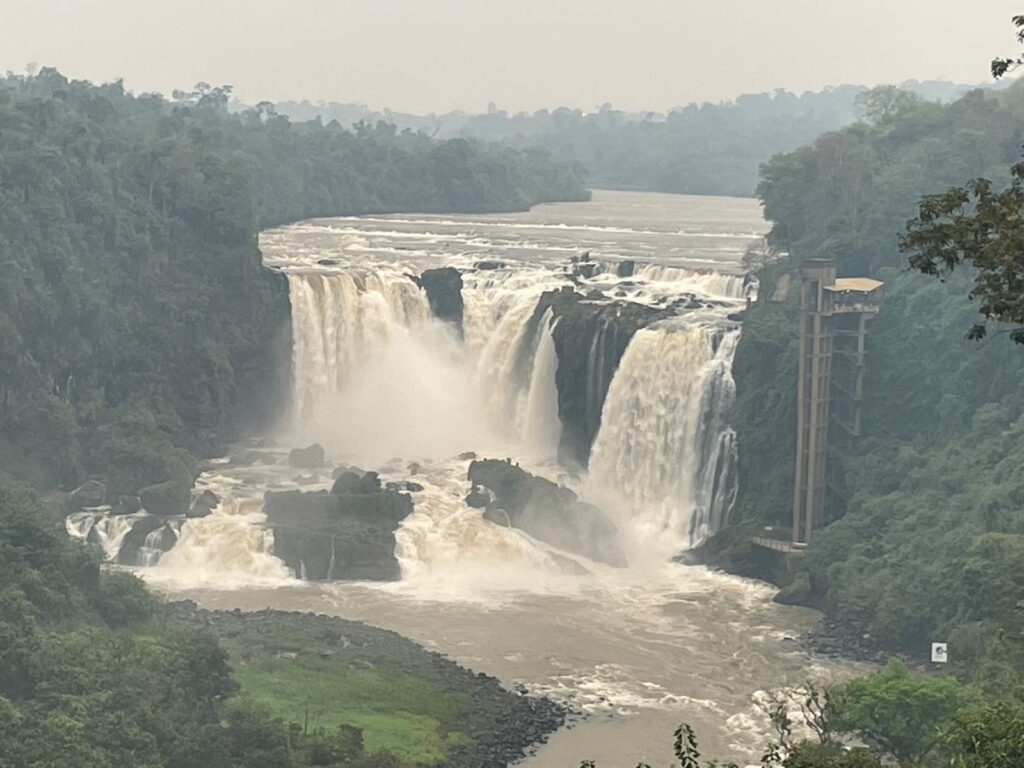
[(380, 384)]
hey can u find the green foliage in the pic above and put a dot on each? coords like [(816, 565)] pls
[(925, 511), (135, 316), (989, 736), (901, 712)]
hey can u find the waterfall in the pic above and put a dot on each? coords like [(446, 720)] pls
[(664, 453), (543, 429), (98, 526)]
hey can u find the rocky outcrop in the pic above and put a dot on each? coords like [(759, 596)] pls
[(310, 457), (148, 532), (169, 498), (590, 339), (204, 504), (347, 533), (544, 510), (91, 493), (444, 293)]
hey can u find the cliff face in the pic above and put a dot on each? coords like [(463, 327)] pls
[(590, 339), (346, 533)]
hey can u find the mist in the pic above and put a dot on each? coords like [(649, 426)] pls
[(457, 54)]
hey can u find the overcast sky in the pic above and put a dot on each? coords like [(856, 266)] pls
[(437, 55)]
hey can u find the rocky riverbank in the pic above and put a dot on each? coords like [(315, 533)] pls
[(474, 720)]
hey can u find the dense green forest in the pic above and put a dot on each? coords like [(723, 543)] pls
[(135, 317), (708, 149), (926, 532), (138, 331)]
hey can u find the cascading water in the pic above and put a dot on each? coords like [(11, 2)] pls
[(664, 451)]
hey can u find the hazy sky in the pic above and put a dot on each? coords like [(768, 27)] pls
[(436, 55)]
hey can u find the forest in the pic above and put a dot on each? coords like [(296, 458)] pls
[(925, 535), (700, 148), (139, 333)]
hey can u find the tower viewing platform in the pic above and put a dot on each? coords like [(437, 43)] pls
[(834, 313)]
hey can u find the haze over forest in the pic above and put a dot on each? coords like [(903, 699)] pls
[(434, 57)]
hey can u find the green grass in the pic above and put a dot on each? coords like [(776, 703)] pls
[(396, 711)]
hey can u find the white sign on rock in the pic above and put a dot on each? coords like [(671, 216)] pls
[(939, 655)]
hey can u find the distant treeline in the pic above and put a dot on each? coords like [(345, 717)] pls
[(135, 316), (926, 512), (711, 149)]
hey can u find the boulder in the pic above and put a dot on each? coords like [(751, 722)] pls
[(348, 533), (346, 468), (310, 457), (126, 505), (91, 493), (169, 498), (403, 485), (204, 504), (544, 510), (148, 532), (444, 294), (479, 497)]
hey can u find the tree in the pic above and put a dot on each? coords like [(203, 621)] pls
[(976, 225), (900, 712), (990, 736)]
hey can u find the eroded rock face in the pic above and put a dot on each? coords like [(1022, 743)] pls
[(163, 539), (444, 294), (347, 533), (590, 339), (204, 504), (310, 457), (544, 510)]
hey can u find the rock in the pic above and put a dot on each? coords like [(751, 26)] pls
[(91, 493), (126, 505), (171, 497), (403, 485), (590, 339), (310, 457), (348, 533), (625, 268), (798, 592), (479, 497), (413, 468), (204, 504), (327, 262), (546, 511), (345, 468), (467, 456), (266, 442), (147, 532), (247, 458), (489, 265), (444, 294)]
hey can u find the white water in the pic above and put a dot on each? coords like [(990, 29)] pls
[(380, 383), (664, 455)]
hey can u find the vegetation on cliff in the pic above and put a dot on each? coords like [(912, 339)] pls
[(925, 532)]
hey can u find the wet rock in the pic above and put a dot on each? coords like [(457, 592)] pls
[(590, 339), (126, 505), (625, 268), (327, 262), (204, 504), (414, 468), (346, 468), (479, 497), (348, 533), (467, 456), (546, 511), (91, 493), (443, 287), (166, 499), (310, 457), (403, 485), (134, 544), (490, 265)]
